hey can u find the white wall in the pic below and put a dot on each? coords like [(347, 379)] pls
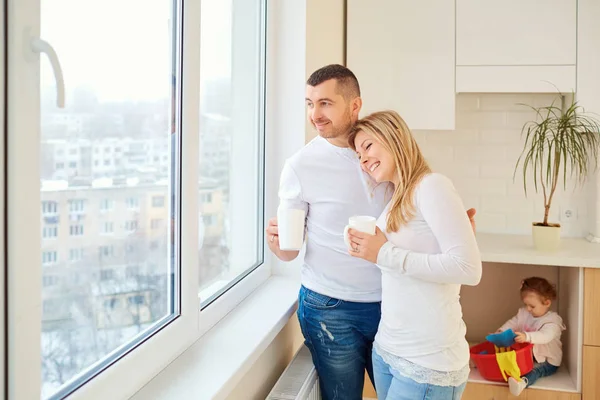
[(480, 157), (324, 39), (588, 86)]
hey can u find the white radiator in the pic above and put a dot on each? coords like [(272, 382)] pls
[(299, 381)]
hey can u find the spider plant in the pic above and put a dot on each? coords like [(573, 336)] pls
[(561, 143)]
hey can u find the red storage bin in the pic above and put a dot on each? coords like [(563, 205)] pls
[(488, 366)]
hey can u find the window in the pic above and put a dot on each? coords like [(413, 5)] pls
[(206, 197), (137, 90), (209, 220), (132, 203), (136, 300), (132, 271), (130, 302), (107, 228), (111, 303), (106, 274), (158, 201), (106, 251), (50, 232), (49, 207), (76, 230), (49, 257), (107, 204), (76, 206), (75, 255), (131, 226), (231, 145), (49, 280)]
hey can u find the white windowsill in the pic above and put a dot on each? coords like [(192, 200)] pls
[(213, 365)]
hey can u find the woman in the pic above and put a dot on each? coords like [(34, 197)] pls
[(427, 253)]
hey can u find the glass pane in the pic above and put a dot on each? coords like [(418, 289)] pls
[(107, 184), (231, 142)]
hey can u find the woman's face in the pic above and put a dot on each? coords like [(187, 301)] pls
[(374, 158)]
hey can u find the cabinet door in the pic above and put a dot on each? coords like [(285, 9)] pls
[(478, 391), (591, 307), (402, 53), (516, 32), (591, 372)]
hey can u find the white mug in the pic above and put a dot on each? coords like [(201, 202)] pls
[(290, 223), (362, 223)]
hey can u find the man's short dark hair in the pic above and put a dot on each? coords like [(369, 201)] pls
[(347, 84)]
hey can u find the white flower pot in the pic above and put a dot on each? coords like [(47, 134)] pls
[(546, 238)]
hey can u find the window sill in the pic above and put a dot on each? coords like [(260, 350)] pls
[(213, 365)]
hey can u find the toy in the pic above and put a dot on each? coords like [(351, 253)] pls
[(502, 339), (494, 366), (507, 362)]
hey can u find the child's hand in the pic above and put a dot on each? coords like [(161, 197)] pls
[(521, 337)]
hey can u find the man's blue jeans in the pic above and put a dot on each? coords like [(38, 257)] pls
[(339, 335)]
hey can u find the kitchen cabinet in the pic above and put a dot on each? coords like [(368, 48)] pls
[(516, 45), (591, 366), (591, 307), (477, 391), (403, 54)]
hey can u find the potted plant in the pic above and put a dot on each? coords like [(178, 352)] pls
[(561, 143)]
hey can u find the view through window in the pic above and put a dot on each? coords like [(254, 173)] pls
[(107, 183), (231, 142)]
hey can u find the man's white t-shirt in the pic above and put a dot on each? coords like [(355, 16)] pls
[(327, 182)]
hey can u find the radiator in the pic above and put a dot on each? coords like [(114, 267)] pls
[(299, 381)]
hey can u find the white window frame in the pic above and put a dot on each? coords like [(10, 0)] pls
[(24, 225), (240, 158), (24, 309), (3, 316)]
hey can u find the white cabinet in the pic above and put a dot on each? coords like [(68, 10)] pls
[(516, 45), (403, 54)]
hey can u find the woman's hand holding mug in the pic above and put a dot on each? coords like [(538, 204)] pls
[(363, 238)]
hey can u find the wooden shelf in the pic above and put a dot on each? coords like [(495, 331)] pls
[(561, 381), (518, 249)]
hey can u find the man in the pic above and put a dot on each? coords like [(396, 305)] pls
[(339, 303)]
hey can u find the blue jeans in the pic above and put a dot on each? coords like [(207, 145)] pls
[(391, 385), (540, 371), (339, 335)]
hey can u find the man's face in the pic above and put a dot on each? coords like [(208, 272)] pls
[(328, 111)]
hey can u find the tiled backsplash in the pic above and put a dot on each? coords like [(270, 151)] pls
[(480, 157)]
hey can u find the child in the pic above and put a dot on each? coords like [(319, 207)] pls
[(536, 324)]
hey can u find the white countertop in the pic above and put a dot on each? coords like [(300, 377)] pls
[(518, 249), (561, 381)]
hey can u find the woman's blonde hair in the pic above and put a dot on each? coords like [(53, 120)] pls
[(389, 129)]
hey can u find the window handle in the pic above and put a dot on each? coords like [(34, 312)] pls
[(41, 46)]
